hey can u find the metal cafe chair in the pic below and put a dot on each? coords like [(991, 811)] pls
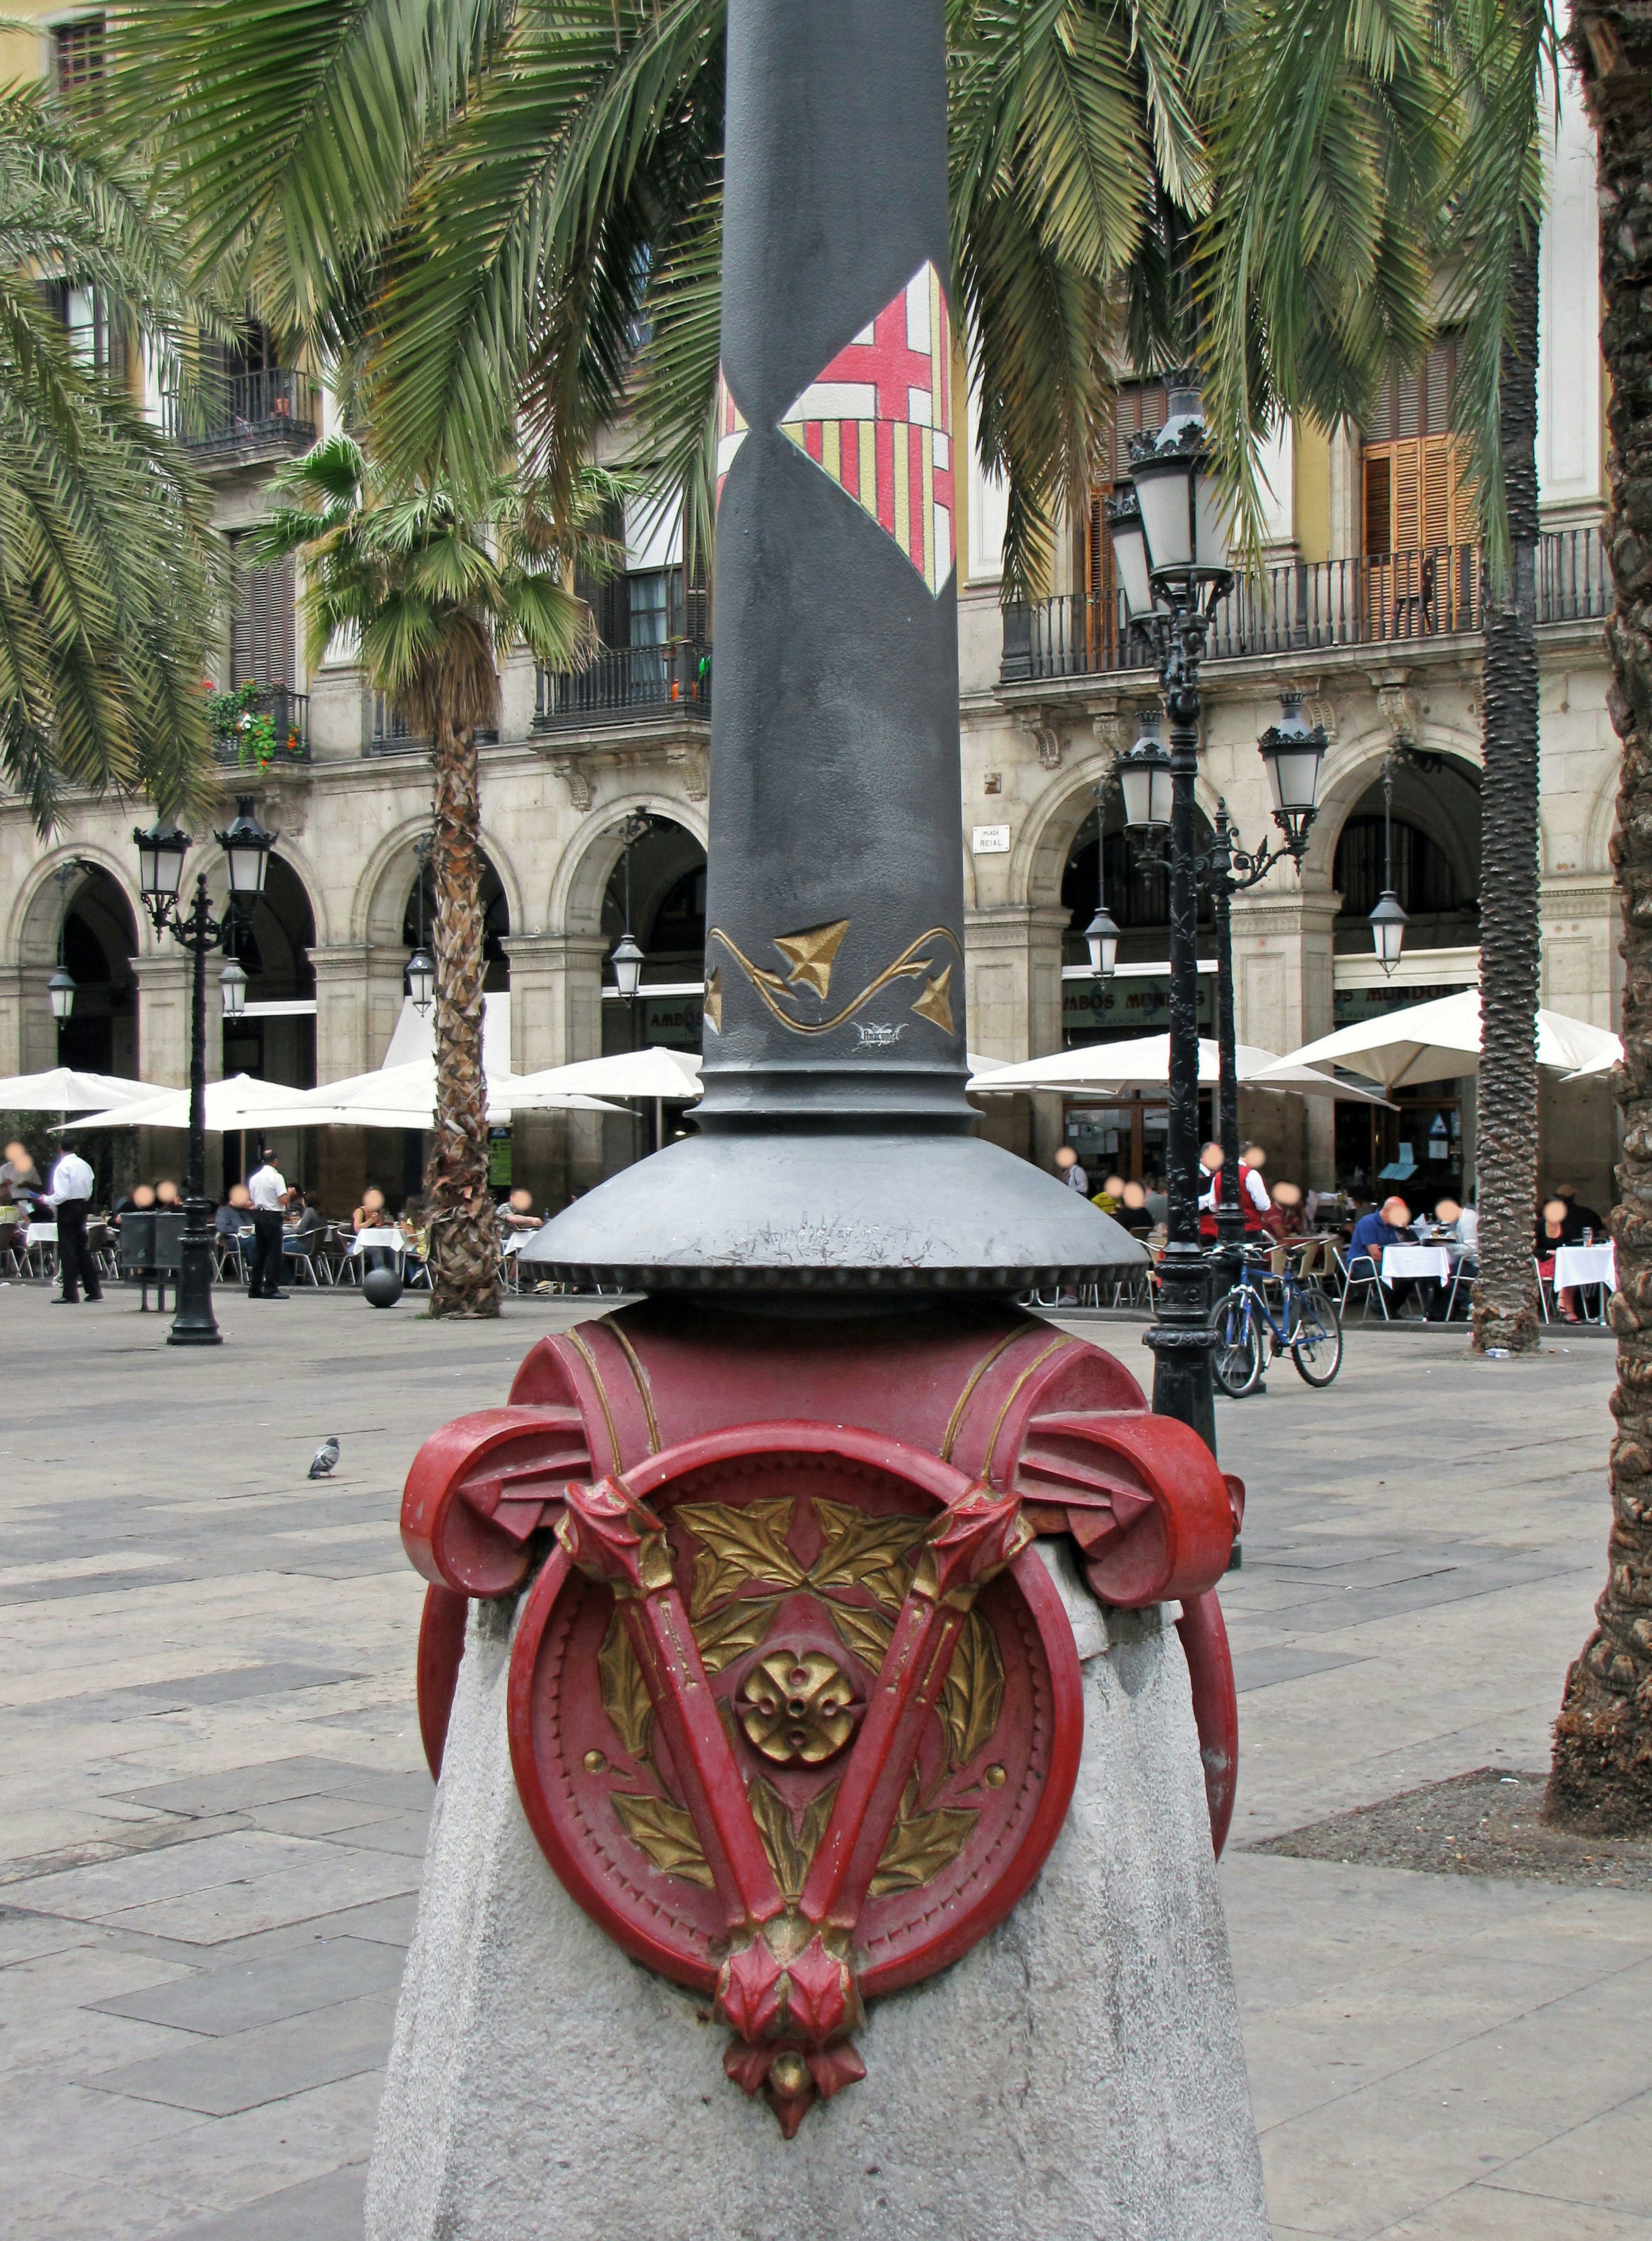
[(1370, 1282)]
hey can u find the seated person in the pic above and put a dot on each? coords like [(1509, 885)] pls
[(1158, 1204), (1372, 1232), (1110, 1197), (14, 1222), (139, 1200), (370, 1213), (19, 1170), (1285, 1217), (517, 1215), (1580, 1218), (303, 1222), (1551, 1234), (233, 1219), (415, 1227), (169, 1199), (1134, 1213)]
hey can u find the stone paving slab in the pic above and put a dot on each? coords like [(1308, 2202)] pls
[(1422, 2048)]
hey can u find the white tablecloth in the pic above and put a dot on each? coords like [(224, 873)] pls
[(1415, 1261), (1584, 1264)]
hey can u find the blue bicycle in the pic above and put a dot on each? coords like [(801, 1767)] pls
[(1308, 1326)]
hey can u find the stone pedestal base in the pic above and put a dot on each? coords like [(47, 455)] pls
[(1078, 2076)]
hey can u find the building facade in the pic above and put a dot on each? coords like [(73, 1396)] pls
[(595, 792)]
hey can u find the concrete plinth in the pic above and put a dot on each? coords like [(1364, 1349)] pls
[(1078, 2075)]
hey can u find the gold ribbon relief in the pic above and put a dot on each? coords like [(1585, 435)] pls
[(809, 955)]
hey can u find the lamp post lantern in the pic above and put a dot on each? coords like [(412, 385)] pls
[(1170, 538), (60, 989), (420, 974), (160, 850), (1388, 921)]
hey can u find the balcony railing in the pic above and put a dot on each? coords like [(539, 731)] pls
[(286, 739), (1311, 606), (251, 411), (391, 735), (628, 684)]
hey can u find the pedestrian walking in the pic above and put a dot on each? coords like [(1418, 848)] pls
[(68, 1195), (267, 1188)]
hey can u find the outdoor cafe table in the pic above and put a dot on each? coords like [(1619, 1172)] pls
[(1576, 1265), (1416, 1260)]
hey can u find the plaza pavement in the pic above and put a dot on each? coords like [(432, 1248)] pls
[(214, 1796)]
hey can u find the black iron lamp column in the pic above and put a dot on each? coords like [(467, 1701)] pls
[(161, 850), (1170, 538)]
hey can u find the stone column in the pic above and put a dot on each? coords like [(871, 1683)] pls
[(1282, 999), (11, 1019), (1012, 960), (555, 1018), (358, 999)]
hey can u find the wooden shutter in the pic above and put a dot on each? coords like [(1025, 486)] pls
[(262, 634), (1438, 469), (1407, 471)]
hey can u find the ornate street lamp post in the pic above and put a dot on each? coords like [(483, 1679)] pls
[(421, 965), (161, 850), (1388, 921), (60, 989), (1170, 540)]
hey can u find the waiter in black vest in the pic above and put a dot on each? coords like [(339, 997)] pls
[(268, 1190)]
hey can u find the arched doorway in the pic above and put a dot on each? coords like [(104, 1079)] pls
[(661, 880), (275, 1037), (1104, 858), (418, 923), (99, 942), (1425, 1146)]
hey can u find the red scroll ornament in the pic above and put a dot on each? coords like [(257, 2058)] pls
[(795, 1710)]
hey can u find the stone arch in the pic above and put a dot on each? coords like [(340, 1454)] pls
[(32, 935), (1038, 859), (580, 880), (379, 903), (1351, 769)]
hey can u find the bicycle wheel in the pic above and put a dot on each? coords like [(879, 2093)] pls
[(1237, 1362), (1317, 1350)]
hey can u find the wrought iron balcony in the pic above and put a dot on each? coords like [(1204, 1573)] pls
[(274, 410), (390, 734), (284, 739), (1313, 607), (628, 684)]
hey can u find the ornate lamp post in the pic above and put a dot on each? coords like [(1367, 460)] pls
[(161, 850), (1294, 752), (1170, 540)]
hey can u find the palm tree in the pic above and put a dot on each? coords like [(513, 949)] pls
[(474, 206), (437, 597), (1600, 1779), (107, 560), (1490, 60)]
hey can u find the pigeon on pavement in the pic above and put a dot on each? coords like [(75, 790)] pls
[(325, 1456)]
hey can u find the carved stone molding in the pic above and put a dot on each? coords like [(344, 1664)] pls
[(1038, 725), (1401, 707), (1321, 709), (679, 758)]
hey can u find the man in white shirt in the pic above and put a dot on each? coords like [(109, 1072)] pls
[(68, 1195), (267, 1188)]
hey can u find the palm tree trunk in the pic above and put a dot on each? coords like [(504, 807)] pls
[(1600, 1779), (1505, 1311), (464, 1260)]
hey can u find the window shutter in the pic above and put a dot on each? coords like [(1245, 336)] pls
[(1407, 497), (1438, 471), (263, 633)]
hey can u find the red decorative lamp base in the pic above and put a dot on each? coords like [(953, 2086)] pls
[(794, 1708)]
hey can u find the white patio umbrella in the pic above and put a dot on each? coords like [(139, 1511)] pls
[(1439, 1040), (1143, 1062), (242, 1101), (64, 1090), (405, 1097), (655, 1072)]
